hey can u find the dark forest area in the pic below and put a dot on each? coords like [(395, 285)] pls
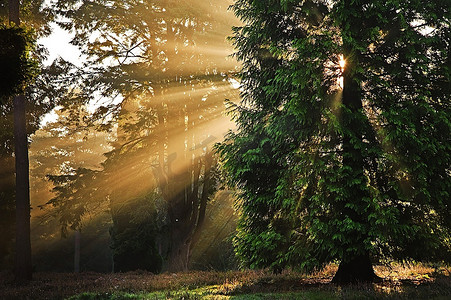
[(271, 149)]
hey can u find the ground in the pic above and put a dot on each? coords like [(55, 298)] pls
[(400, 282)]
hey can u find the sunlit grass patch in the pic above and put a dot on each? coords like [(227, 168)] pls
[(411, 272)]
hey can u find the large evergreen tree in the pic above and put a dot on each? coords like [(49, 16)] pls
[(354, 171)]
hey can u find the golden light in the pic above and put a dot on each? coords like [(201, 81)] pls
[(342, 62), (193, 119), (341, 82)]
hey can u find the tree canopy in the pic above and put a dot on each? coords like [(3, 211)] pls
[(350, 161)]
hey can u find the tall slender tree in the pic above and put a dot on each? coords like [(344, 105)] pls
[(22, 65), (343, 149), (23, 244)]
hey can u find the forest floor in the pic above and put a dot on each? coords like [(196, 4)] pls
[(400, 282)]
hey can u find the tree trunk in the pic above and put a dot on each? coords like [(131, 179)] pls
[(179, 232), (179, 253), (23, 243), (355, 267), (186, 225), (358, 269)]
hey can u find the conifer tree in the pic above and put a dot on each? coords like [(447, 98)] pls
[(342, 150)]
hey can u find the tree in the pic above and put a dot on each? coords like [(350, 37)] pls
[(20, 60), (37, 107), (7, 187), (62, 151), (23, 244), (167, 61), (356, 173)]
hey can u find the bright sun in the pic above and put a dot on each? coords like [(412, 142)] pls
[(342, 62)]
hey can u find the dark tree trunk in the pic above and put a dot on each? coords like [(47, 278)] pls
[(354, 267), (23, 243), (357, 270), (179, 253), (187, 220), (183, 174), (186, 209), (7, 209), (180, 231)]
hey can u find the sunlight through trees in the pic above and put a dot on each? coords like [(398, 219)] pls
[(278, 135)]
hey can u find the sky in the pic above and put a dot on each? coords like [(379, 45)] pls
[(58, 45)]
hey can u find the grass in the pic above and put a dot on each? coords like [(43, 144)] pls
[(400, 282), (314, 295)]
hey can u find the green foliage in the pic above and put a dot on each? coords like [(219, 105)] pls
[(324, 173), (17, 65), (70, 191), (133, 237)]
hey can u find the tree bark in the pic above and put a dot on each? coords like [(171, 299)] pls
[(186, 218), (23, 243), (179, 253), (357, 270), (180, 178)]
